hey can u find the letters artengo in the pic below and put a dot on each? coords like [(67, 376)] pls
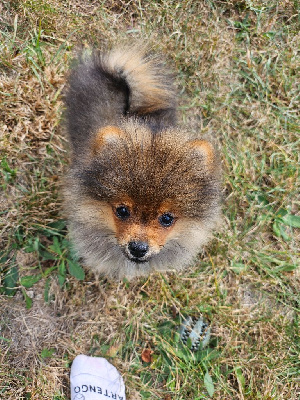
[(97, 389)]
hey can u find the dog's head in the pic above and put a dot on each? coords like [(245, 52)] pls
[(152, 193)]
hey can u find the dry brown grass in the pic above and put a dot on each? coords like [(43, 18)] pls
[(236, 62)]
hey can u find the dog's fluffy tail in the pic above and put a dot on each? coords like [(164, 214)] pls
[(150, 85), (125, 82)]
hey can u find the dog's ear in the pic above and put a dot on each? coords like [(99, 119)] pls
[(206, 150), (105, 135)]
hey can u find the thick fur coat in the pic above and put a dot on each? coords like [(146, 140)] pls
[(141, 194)]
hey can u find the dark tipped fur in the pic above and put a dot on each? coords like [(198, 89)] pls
[(151, 172), (121, 112), (102, 90)]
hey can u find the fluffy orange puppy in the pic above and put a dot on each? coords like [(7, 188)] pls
[(141, 194)]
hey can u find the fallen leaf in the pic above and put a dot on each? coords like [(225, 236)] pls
[(146, 355)]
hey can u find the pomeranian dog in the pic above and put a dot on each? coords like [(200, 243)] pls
[(141, 194)]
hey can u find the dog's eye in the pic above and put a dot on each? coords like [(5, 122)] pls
[(166, 219), (122, 212)]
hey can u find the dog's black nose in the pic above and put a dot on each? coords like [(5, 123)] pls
[(138, 249)]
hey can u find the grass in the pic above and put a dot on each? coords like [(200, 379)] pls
[(237, 67)]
